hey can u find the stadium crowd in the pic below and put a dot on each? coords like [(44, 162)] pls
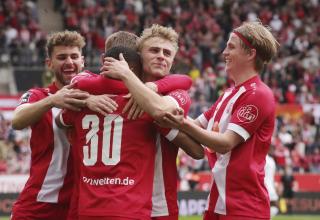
[(294, 75)]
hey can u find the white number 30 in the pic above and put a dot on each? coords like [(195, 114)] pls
[(110, 152)]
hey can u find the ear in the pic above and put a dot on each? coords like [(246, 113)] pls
[(48, 62), (252, 54), (102, 58), (82, 62)]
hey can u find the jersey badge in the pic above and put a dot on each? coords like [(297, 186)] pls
[(247, 113)]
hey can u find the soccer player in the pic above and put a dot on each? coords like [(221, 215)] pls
[(246, 115), (47, 192), (158, 46), (116, 159), (48, 189)]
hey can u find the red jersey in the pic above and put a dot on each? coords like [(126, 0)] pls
[(238, 176), (48, 189), (164, 196), (116, 158)]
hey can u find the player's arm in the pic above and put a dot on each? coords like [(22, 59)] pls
[(170, 83), (189, 145), (219, 142), (29, 113), (148, 100)]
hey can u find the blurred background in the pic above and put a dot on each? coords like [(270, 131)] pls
[(203, 27)]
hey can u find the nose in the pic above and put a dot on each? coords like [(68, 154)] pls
[(224, 52), (68, 60), (161, 55)]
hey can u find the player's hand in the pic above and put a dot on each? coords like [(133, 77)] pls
[(114, 68), (102, 104), (134, 109), (173, 120), (69, 98)]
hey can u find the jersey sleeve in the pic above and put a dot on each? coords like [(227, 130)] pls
[(101, 85), (250, 112), (83, 75), (173, 82), (207, 115), (31, 96), (182, 99), (169, 133), (67, 118)]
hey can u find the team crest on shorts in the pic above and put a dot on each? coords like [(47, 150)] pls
[(247, 113)]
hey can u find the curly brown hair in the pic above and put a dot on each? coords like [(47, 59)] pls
[(64, 38)]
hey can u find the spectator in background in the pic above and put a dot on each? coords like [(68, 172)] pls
[(288, 186)]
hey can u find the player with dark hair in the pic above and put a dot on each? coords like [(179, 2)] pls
[(116, 157), (158, 46)]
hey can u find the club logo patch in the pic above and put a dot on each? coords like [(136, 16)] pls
[(247, 114), (25, 98)]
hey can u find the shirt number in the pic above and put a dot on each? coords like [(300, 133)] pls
[(110, 151)]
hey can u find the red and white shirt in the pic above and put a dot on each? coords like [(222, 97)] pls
[(116, 158), (48, 189), (164, 196), (238, 176)]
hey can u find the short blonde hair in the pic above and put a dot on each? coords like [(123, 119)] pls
[(64, 38), (156, 30), (261, 39), (122, 38)]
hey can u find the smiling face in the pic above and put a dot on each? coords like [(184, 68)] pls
[(65, 62), (157, 57), (236, 57)]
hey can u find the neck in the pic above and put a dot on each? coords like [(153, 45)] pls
[(58, 84), (240, 78), (149, 78)]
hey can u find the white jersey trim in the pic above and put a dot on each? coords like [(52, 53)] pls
[(62, 121), (239, 130), (172, 134), (174, 100), (159, 202), (220, 176), (203, 121), (57, 169)]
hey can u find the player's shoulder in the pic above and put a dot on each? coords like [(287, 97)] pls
[(83, 75), (259, 91), (33, 94)]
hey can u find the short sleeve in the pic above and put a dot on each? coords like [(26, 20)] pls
[(101, 85), (67, 118), (250, 112), (31, 96), (172, 82), (168, 133), (182, 99), (206, 116)]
